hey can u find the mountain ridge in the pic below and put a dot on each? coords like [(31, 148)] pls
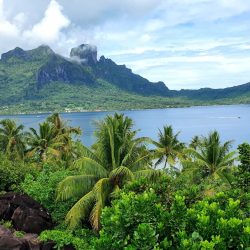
[(40, 79)]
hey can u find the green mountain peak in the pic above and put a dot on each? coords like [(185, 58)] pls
[(41, 80)]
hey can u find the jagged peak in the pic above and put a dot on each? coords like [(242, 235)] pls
[(17, 49), (85, 54), (43, 49), (16, 52), (20, 53)]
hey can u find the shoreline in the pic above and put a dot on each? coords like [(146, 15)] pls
[(115, 110)]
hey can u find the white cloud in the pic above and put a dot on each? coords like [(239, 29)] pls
[(6, 27), (201, 46), (177, 41), (16, 31), (49, 28), (19, 20)]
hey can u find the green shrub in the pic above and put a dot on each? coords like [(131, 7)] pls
[(66, 238), (13, 173), (163, 188), (6, 224), (133, 222), (43, 189), (19, 234), (243, 175), (141, 221)]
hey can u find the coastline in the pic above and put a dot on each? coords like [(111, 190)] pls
[(114, 110)]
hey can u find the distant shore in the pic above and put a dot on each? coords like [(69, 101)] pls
[(108, 110)]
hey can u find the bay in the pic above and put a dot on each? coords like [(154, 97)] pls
[(232, 122)]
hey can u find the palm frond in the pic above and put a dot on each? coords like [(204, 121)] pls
[(149, 174), (81, 210), (95, 215), (121, 174), (102, 189), (141, 159), (225, 177), (86, 152), (228, 159), (90, 167), (75, 186)]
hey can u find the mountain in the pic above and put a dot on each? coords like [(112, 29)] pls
[(41, 80)]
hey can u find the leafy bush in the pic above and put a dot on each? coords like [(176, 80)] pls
[(6, 224), (43, 188), (243, 175), (141, 221), (13, 173), (133, 222), (65, 238), (19, 234)]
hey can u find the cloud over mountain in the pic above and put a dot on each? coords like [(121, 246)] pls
[(183, 36)]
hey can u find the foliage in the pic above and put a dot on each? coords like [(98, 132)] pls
[(196, 141), (12, 173), (44, 143), (43, 188), (79, 240), (64, 133), (52, 141), (19, 234), (6, 224), (117, 157), (12, 139), (211, 158), (114, 186), (129, 218), (142, 221), (168, 147), (243, 175)]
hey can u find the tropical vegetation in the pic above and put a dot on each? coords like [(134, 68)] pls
[(130, 192)]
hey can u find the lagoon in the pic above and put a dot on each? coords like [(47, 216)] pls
[(232, 121)]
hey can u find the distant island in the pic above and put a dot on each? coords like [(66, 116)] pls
[(40, 80)]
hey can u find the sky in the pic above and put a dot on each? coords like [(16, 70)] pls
[(187, 44)]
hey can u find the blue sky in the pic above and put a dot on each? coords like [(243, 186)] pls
[(185, 43)]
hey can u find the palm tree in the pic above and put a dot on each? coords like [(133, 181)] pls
[(44, 142), (117, 157), (61, 126), (65, 132), (168, 148), (195, 142), (212, 158), (12, 138)]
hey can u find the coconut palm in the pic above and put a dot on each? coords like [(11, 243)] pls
[(195, 142), (65, 132), (211, 158), (61, 126), (168, 148), (117, 157), (12, 138), (44, 142)]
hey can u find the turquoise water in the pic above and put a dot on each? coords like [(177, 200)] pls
[(233, 122)]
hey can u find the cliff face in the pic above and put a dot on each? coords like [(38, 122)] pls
[(43, 66), (85, 54), (124, 78), (58, 69)]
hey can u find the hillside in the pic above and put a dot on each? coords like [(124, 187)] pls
[(41, 80)]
